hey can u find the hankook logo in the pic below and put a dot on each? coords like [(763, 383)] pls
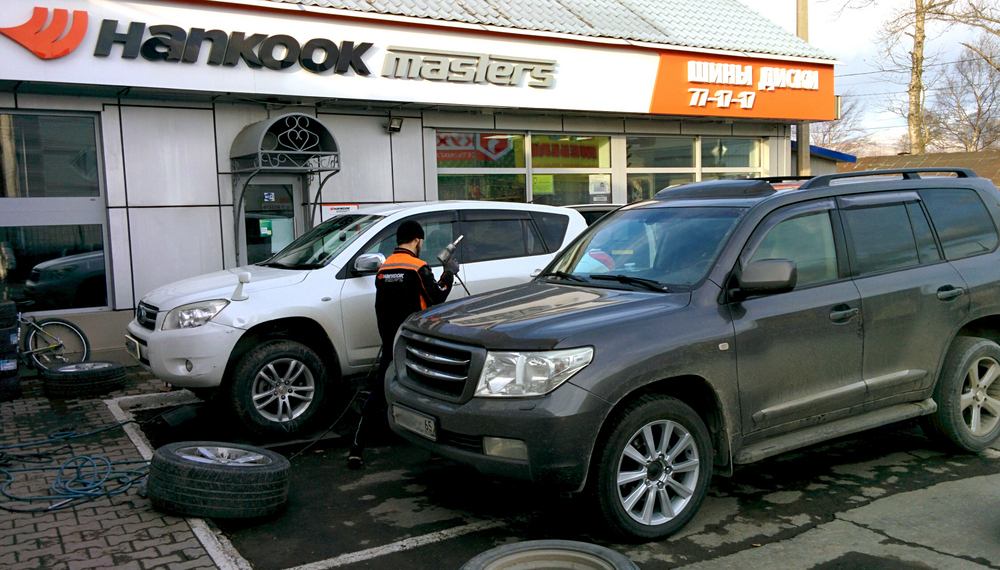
[(48, 42)]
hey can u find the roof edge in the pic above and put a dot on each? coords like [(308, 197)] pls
[(409, 21), (827, 153)]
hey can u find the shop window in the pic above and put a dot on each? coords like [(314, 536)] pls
[(645, 186), (54, 257), (728, 175), (479, 150), (729, 153), (48, 156), (496, 187), (55, 267), (566, 189), (660, 152), (563, 151)]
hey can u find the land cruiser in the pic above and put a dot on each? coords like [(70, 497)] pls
[(718, 324), (277, 336)]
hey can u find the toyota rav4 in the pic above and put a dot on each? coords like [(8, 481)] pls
[(718, 324), (279, 335)]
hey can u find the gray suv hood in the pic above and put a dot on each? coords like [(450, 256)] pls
[(539, 315)]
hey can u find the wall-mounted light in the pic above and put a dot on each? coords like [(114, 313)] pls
[(394, 125)]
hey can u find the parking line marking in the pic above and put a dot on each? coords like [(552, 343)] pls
[(400, 546)]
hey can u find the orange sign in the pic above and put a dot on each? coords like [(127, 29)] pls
[(48, 42), (740, 87)]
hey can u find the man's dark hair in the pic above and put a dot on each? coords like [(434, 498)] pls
[(409, 231)]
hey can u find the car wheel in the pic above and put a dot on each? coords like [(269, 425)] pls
[(278, 386), (654, 468), (218, 480), (550, 554), (83, 379), (968, 396)]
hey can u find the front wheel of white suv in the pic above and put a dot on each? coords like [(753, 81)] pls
[(278, 386)]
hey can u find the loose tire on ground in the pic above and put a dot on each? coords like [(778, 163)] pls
[(278, 386), (968, 396), (218, 480), (535, 554), (659, 453), (83, 379), (75, 346)]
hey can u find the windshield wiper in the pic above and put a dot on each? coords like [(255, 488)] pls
[(628, 279), (564, 275)]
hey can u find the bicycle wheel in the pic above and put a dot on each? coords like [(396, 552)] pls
[(56, 342)]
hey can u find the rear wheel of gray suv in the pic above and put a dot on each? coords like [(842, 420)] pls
[(278, 386), (653, 468), (968, 396)]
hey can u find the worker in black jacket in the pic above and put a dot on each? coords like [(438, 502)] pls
[(403, 286)]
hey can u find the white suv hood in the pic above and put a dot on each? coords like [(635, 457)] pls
[(221, 285)]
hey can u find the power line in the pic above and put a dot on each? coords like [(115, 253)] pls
[(904, 69)]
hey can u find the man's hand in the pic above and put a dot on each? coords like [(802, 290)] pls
[(451, 267)]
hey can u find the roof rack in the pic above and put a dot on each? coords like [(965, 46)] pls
[(907, 174), (743, 188), (773, 179)]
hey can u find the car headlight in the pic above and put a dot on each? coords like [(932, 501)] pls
[(519, 374), (193, 314)]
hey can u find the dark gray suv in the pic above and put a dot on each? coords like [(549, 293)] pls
[(718, 324)]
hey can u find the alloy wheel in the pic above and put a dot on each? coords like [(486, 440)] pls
[(283, 390), (658, 472), (980, 401)]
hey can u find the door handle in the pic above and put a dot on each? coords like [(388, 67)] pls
[(948, 292), (841, 314)]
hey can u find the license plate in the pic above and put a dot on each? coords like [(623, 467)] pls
[(132, 346), (420, 424)]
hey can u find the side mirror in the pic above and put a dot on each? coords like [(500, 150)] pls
[(369, 262), (768, 277)]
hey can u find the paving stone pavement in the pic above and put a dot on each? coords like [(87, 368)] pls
[(121, 531)]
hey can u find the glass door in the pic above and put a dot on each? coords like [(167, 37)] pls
[(270, 219)]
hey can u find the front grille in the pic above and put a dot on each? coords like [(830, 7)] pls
[(473, 443), (145, 315), (437, 368)]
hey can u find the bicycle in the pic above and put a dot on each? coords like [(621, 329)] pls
[(49, 342)]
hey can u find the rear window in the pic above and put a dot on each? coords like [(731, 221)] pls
[(961, 220), (553, 228)]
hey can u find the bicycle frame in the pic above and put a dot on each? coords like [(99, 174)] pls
[(24, 353)]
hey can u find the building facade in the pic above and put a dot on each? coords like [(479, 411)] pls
[(143, 142)]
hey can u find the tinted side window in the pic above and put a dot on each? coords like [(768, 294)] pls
[(961, 220), (926, 246), (808, 241), (553, 228), (436, 236), (493, 239), (882, 237)]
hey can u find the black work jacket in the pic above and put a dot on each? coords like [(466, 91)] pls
[(403, 286)]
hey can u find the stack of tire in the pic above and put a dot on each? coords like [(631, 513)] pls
[(10, 381)]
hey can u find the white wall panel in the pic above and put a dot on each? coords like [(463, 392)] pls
[(365, 160), (506, 122), (586, 124), (121, 259), (170, 244), (755, 130), (229, 121), (723, 129), (652, 127), (430, 164), (408, 162), (226, 189), (169, 157), (114, 163), (228, 241), (60, 102), (457, 120), (6, 100)]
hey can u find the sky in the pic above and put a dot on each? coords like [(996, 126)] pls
[(849, 36)]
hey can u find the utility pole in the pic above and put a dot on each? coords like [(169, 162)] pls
[(802, 30)]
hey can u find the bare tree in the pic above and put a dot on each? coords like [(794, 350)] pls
[(910, 22), (966, 109), (847, 133), (984, 15)]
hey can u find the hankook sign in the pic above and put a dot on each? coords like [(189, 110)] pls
[(220, 46)]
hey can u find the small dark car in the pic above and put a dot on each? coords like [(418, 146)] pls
[(719, 324)]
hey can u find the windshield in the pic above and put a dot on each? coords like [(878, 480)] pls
[(665, 249), (322, 243)]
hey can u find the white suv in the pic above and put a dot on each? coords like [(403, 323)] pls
[(277, 335)]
